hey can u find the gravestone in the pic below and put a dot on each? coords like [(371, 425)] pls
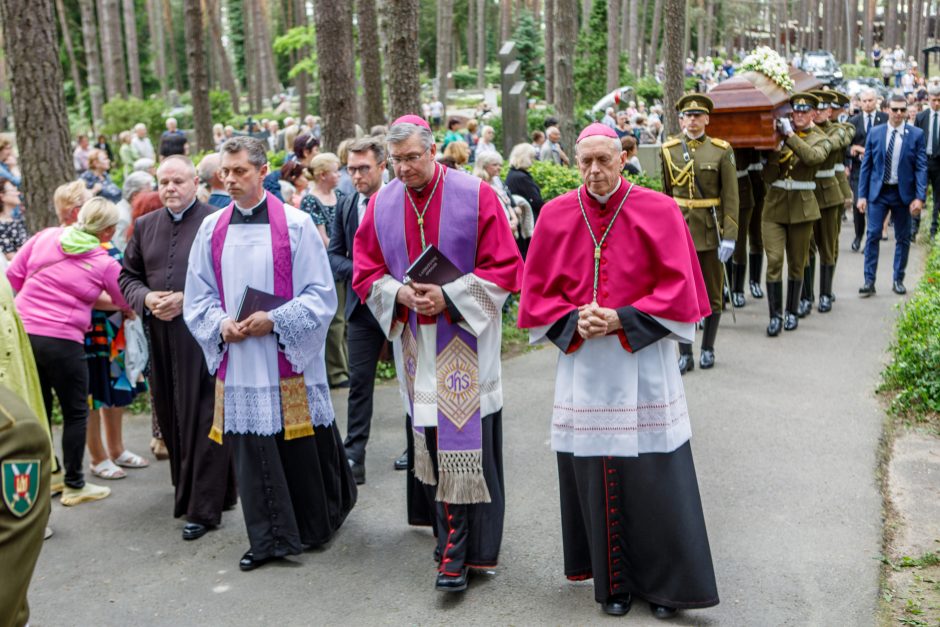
[(514, 98)]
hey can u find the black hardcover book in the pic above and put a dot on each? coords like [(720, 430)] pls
[(255, 300), (433, 267)]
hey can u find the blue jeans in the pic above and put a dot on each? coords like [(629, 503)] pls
[(889, 201)]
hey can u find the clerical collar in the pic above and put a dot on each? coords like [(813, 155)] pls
[(179, 216), (248, 212), (697, 137), (603, 199)]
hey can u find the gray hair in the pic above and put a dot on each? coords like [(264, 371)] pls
[(613, 142), (487, 158), (521, 156), (868, 91), (143, 164), (254, 147), (933, 90), (209, 166), (135, 183), (404, 131), (366, 144)]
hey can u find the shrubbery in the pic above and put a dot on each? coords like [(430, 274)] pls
[(121, 114), (555, 180), (860, 71)]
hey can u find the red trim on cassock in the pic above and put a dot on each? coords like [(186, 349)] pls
[(622, 336)]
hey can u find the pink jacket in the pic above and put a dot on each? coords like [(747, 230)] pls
[(56, 291)]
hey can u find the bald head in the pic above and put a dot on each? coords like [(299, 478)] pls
[(177, 183)]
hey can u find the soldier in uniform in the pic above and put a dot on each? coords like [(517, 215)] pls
[(840, 109), (24, 511), (790, 207), (744, 158), (700, 173), (755, 238)]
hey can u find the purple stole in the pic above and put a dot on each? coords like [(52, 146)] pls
[(294, 407), (459, 424)]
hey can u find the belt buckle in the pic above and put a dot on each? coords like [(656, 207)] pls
[(789, 185)]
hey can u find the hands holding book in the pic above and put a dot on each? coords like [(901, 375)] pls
[(596, 321), (256, 325), (424, 298)]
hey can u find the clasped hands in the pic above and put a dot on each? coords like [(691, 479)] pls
[(596, 321), (424, 298), (164, 305), (256, 325)]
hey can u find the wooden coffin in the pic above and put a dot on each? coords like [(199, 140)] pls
[(747, 104)]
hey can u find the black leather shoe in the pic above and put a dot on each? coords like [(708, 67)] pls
[(805, 308), (776, 324), (866, 290), (856, 244), (707, 359), (756, 290), (358, 472), (194, 531), (790, 321), (248, 561), (663, 611), (402, 462), (686, 363), (617, 606), (898, 288), (737, 299), (825, 303), (451, 583)]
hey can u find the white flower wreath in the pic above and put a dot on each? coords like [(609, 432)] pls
[(772, 65)]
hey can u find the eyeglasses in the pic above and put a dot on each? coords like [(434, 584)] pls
[(406, 159), (362, 169), (899, 109)]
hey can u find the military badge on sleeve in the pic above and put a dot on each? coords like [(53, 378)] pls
[(20, 479)]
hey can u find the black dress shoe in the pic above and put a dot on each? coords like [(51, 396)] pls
[(249, 562), (194, 531), (856, 244), (617, 606), (358, 472), (707, 359), (402, 462), (452, 583), (776, 324), (790, 321), (825, 303), (805, 308), (686, 363), (866, 290), (737, 299), (898, 288), (663, 611), (756, 290)]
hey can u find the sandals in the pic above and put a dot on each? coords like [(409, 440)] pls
[(107, 470), (158, 448), (131, 460)]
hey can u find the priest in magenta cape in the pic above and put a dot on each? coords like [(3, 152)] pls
[(612, 279), (446, 341), (272, 402)]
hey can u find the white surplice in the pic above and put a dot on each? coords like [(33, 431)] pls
[(252, 393)]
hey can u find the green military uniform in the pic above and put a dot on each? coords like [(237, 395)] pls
[(701, 175), (24, 508), (744, 158), (755, 238), (790, 208), (842, 101)]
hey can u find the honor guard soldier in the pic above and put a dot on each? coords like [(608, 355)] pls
[(790, 207), (840, 110), (24, 476), (755, 237), (700, 174), (744, 158)]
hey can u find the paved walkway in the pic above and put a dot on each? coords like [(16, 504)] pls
[(785, 438)]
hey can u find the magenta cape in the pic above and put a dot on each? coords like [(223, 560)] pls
[(648, 260)]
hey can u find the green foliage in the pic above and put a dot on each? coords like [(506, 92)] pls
[(122, 114), (236, 30), (466, 77), (385, 370), (690, 83), (912, 373), (528, 40), (298, 38), (535, 118), (648, 90), (554, 180), (590, 65), (850, 71), (644, 180), (220, 106)]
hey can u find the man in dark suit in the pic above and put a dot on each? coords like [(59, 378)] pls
[(864, 121), (364, 336), (929, 122), (893, 179)]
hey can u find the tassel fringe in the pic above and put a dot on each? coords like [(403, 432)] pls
[(461, 478), (424, 470)]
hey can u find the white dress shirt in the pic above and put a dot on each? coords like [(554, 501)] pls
[(896, 155)]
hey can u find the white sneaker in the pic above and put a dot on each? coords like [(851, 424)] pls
[(90, 492)]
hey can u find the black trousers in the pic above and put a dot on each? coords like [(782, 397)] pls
[(858, 218), (62, 369), (933, 178), (365, 340)]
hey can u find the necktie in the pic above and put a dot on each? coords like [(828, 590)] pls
[(889, 156), (868, 123), (935, 132)]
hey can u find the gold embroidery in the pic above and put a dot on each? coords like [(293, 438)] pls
[(295, 409), (218, 415), (458, 389)]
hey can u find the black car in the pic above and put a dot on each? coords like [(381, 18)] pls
[(823, 66)]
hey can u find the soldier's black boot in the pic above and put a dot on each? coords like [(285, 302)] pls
[(806, 296), (726, 295), (737, 284), (825, 288), (707, 359), (791, 317), (686, 359), (756, 260), (775, 304)]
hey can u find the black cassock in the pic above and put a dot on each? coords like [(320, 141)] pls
[(182, 389)]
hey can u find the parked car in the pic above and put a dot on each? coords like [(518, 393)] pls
[(823, 66), (854, 85)]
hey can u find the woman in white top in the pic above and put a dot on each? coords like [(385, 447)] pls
[(485, 143)]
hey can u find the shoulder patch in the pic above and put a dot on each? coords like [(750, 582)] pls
[(20, 478), (720, 143)]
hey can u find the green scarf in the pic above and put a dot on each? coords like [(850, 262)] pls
[(75, 241)]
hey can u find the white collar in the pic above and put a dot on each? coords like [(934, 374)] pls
[(603, 199), (179, 216), (248, 212)]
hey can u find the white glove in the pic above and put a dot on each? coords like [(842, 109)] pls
[(784, 126), (725, 250)]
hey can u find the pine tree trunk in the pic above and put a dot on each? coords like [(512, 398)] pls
[(657, 26), (173, 54), (252, 68), (481, 44), (198, 77), (70, 51), (337, 74), (4, 107), (891, 18), (471, 32), (566, 34), (586, 6), (404, 87), (133, 56), (633, 6), (699, 28), (674, 18), (641, 38), (41, 119), (303, 79), (267, 41), (370, 62), (505, 21), (226, 75), (613, 45), (262, 49), (105, 32), (708, 25), (92, 60), (549, 51), (445, 42), (158, 44)]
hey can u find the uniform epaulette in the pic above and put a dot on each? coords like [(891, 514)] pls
[(720, 143), (675, 141)]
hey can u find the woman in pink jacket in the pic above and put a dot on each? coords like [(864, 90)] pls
[(59, 275)]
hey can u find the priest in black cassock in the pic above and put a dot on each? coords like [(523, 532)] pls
[(183, 391)]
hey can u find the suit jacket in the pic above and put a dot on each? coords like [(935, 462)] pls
[(912, 164), (923, 123), (858, 121), (340, 250)]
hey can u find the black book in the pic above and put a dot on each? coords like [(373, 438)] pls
[(255, 300), (432, 266)]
